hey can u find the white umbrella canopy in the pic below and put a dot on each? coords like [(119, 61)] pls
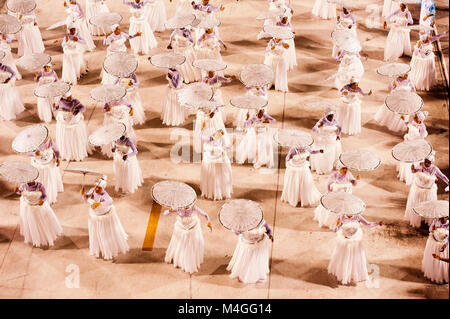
[(277, 12), (241, 215), (208, 22), (404, 102), (108, 93), (120, 64), (180, 21), (343, 203), (256, 75), (21, 6), (420, 27), (278, 32), (195, 94), (351, 46), (9, 24), (432, 209), (339, 36), (84, 171), (412, 151), (173, 194), (167, 60), (18, 172), (105, 20), (293, 138), (248, 102), (51, 90), (31, 62), (30, 138), (107, 134), (210, 65), (393, 69), (360, 160)]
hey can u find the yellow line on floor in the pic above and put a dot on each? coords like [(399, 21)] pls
[(151, 227)]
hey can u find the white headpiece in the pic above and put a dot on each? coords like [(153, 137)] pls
[(421, 115), (102, 182), (114, 27)]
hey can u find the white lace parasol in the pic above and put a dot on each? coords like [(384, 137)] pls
[(277, 12), (394, 69), (180, 21), (30, 138), (9, 24), (195, 94), (420, 27), (361, 160), (21, 6), (105, 20), (343, 203), (278, 32), (432, 209), (249, 102), (51, 90), (344, 3), (107, 134), (339, 36), (31, 62), (84, 171), (256, 75), (167, 60), (412, 151), (404, 102), (173, 194), (208, 22), (108, 93), (120, 64), (293, 138), (210, 65), (351, 46), (241, 215), (18, 172)]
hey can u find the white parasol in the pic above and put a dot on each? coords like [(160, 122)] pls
[(420, 27), (105, 20), (51, 90), (107, 134), (361, 160), (432, 209), (120, 64), (167, 60), (18, 172), (31, 62), (277, 12), (394, 69), (412, 151), (351, 46), (241, 215), (293, 138), (342, 203), (339, 36), (180, 21), (404, 102), (108, 93), (278, 32), (210, 65), (208, 22), (173, 194), (21, 6), (84, 171), (256, 75), (30, 138), (249, 102), (195, 93), (9, 24)]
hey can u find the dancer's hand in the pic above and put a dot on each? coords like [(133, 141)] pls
[(65, 4), (349, 26), (358, 177), (209, 226), (169, 47), (16, 189), (221, 8), (384, 25), (442, 248), (380, 223), (3, 37), (125, 157), (272, 48), (7, 80), (402, 117), (35, 23), (58, 162), (131, 111), (41, 202), (337, 138), (321, 151), (339, 18), (286, 46), (193, 2), (37, 153), (271, 238), (95, 205), (225, 47), (370, 92), (108, 108), (436, 256), (138, 34)]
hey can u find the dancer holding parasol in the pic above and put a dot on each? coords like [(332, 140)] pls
[(10, 102)]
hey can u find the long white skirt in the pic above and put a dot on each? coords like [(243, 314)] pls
[(189, 73), (173, 114), (423, 72), (186, 247), (128, 173), (404, 172), (213, 125), (324, 163), (10, 103), (73, 66), (434, 269), (241, 117), (92, 9), (157, 16), (325, 10), (349, 116), (50, 177), (256, 148), (29, 40), (355, 70), (10, 61), (291, 55), (416, 196), (324, 217), (348, 262), (38, 224), (85, 33), (388, 8), (390, 119), (44, 108), (397, 44), (146, 41), (138, 110), (72, 140), (299, 186), (107, 238), (250, 262), (216, 180), (280, 66)]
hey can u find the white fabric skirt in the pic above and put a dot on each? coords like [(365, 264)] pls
[(404, 172), (188, 72), (73, 66), (128, 173), (173, 114), (416, 196), (241, 117), (107, 238), (388, 8), (138, 110), (157, 16), (291, 55), (85, 33), (299, 186), (324, 163), (398, 43), (146, 41), (423, 72), (280, 66), (250, 262), (44, 108), (72, 140), (349, 116), (10, 61), (434, 269), (186, 247), (213, 125), (94, 8), (256, 148), (29, 40), (323, 9), (38, 224), (10, 102), (216, 180), (324, 217), (50, 177), (390, 119)]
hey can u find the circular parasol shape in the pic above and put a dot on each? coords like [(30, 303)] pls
[(108, 93), (209, 22), (394, 69), (343, 203), (351, 46), (120, 64), (411, 151), (249, 102), (210, 65), (420, 27), (31, 62), (361, 160), (432, 209), (277, 12), (18, 172), (105, 20), (339, 36), (30, 138), (195, 93), (293, 138), (404, 102), (107, 134), (256, 75), (51, 90), (173, 194), (21, 6), (241, 215), (167, 60), (180, 21), (279, 32), (9, 24)]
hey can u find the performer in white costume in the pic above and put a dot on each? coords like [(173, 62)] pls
[(93, 8), (131, 84), (291, 55), (207, 119), (437, 244), (277, 58), (398, 41), (126, 166), (44, 105), (74, 63), (350, 67), (244, 115), (8, 60), (76, 17), (10, 102), (29, 38), (173, 114), (324, 9), (157, 15), (346, 20), (208, 45)]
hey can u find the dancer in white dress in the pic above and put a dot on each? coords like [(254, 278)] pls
[(324, 9), (10, 102), (398, 41), (76, 17), (173, 114), (182, 42), (93, 8), (186, 247), (207, 119), (291, 55), (243, 115), (277, 58), (131, 84), (270, 21), (388, 8), (298, 182), (216, 181), (214, 80), (107, 238), (157, 16), (348, 261), (38, 223), (208, 45), (126, 166), (204, 10), (44, 105), (74, 63), (350, 67), (8, 60), (139, 23), (29, 38), (437, 244), (346, 20)]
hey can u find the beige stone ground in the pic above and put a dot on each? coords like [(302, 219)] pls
[(301, 250)]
